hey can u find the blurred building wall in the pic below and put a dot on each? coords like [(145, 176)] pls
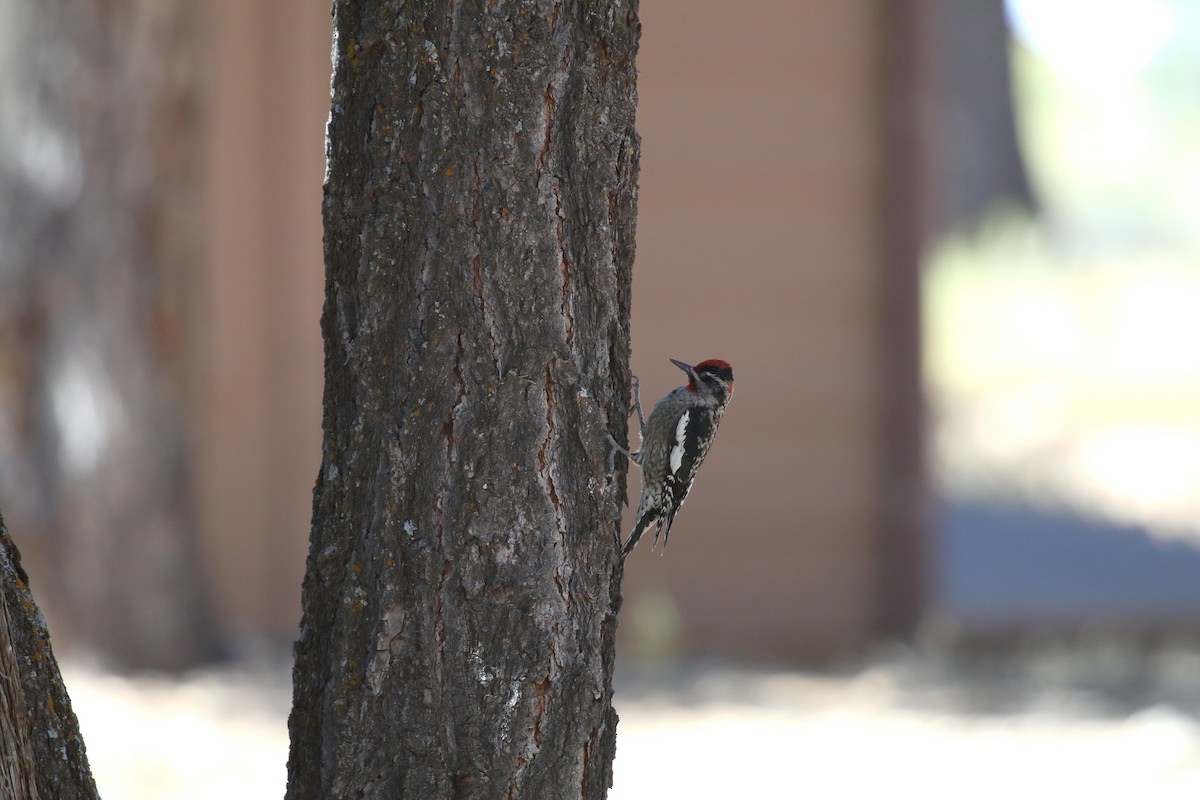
[(258, 346), (762, 239)]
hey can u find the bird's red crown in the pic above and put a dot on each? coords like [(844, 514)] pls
[(715, 366)]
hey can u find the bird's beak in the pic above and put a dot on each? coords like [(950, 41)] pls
[(691, 373), (685, 367)]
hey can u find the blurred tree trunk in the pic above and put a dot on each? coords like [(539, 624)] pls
[(463, 582), (98, 153), (41, 752), (978, 163)]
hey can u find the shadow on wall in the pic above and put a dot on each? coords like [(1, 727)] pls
[(1011, 567)]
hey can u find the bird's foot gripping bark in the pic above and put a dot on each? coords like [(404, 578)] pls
[(614, 447)]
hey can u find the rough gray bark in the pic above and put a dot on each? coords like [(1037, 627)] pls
[(98, 223), (463, 581), (41, 753)]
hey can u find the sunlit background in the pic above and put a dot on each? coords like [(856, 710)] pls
[(1062, 367), (949, 539)]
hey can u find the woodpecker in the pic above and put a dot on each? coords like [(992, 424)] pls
[(675, 441)]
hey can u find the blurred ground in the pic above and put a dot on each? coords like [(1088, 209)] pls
[(1097, 719)]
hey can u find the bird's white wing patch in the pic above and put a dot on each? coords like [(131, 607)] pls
[(680, 435)]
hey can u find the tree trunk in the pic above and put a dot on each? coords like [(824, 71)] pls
[(980, 165), (463, 580), (99, 233), (41, 753)]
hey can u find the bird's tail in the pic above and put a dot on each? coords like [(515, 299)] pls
[(648, 517), (664, 527)]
